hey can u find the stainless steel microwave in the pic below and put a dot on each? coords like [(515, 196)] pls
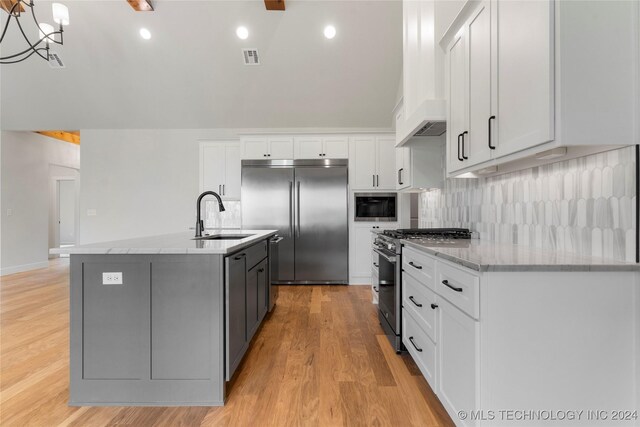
[(376, 207)]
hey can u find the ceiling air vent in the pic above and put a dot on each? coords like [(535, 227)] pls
[(55, 61), (251, 57)]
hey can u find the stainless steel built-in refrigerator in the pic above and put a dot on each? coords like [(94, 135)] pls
[(306, 201)]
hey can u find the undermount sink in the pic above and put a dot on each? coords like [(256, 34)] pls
[(224, 237)]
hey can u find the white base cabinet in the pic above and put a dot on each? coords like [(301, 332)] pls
[(530, 341), (361, 260)]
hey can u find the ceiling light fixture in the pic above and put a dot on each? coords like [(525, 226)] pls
[(145, 34), (329, 31), (47, 35), (242, 33)]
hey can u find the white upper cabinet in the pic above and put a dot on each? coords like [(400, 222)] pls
[(335, 147), (267, 147), (477, 145), (372, 162), (321, 147), (457, 83), (420, 166), (525, 74), (522, 79), (220, 168)]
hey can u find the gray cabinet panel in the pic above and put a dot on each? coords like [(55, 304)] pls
[(252, 301), (236, 331), (263, 289), (115, 321), (181, 317)]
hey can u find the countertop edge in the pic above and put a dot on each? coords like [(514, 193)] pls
[(505, 268), (118, 249)]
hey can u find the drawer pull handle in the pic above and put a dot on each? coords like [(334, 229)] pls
[(375, 289), (239, 257), (261, 270), (414, 301), (375, 265), (434, 306), (446, 283), (419, 267), (414, 345)]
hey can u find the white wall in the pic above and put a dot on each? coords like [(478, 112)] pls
[(145, 182), (139, 182), (24, 189)]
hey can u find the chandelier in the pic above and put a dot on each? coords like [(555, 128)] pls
[(46, 33)]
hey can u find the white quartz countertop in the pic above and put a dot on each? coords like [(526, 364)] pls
[(176, 243), (482, 255)]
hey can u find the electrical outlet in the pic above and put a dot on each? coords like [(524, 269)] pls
[(112, 278)]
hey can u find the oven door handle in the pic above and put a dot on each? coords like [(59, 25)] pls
[(391, 259)]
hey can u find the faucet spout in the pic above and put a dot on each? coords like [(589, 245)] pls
[(200, 222)]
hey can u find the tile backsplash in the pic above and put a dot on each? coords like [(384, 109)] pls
[(584, 206), (230, 218)]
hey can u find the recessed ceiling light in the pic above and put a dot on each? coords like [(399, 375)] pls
[(242, 32), (329, 31), (145, 34)]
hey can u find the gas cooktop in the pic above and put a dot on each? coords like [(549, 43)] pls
[(433, 233)]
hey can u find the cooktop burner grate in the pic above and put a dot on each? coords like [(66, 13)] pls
[(449, 233)]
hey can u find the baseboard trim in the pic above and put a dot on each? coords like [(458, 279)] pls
[(24, 267)]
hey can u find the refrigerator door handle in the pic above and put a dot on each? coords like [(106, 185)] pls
[(290, 208), (298, 207)]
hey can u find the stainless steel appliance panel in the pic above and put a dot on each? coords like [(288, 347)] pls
[(267, 203), (321, 218)]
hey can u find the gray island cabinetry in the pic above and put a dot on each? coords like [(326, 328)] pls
[(165, 321)]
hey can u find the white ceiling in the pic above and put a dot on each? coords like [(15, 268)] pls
[(191, 73)]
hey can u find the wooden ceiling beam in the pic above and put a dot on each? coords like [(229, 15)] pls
[(141, 5), (6, 5), (274, 4), (72, 136)]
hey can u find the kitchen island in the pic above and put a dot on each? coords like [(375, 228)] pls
[(164, 320)]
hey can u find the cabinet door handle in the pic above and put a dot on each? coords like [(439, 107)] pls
[(434, 306), (400, 178), (414, 345), (239, 257), (446, 283), (417, 304), (459, 158), (419, 267), (493, 147), (261, 270), (463, 134), (223, 190), (373, 177), (219, 189), (377, 180)]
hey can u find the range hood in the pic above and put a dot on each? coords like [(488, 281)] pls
[(423, 110), (428, 120)]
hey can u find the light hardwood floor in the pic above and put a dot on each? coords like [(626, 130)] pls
[(320, 359)]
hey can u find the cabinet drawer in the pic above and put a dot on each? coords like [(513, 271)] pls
[(255, 253), (420, 266), (375, 262), (421, 348), (459, 287), (421, 302)]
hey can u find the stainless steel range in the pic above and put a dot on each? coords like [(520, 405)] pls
[(388, 248)]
